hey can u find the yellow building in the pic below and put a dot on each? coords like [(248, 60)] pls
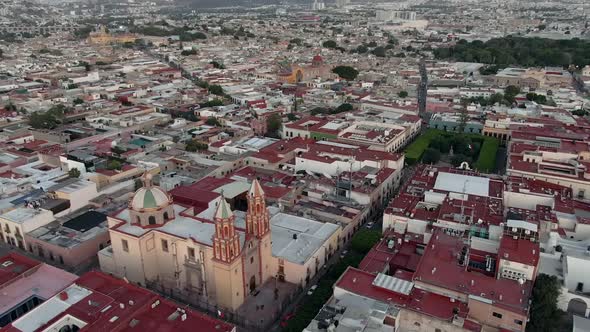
[(293, 73), (103, 37)]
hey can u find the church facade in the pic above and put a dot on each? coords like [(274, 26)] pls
[(157, 241)]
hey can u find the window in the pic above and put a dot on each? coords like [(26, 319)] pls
[(125, 245), (191, 254), (252, 260), (165, 245), (518, 322), (580, 287), (437, 330), (152, 220), (497, 315)]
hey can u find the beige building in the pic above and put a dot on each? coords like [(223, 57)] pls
[(218, 254), (16, 223)]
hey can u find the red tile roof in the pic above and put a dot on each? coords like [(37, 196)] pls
[(136, 309)]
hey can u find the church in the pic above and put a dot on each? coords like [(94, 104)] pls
[(295, 73), (216, 254)]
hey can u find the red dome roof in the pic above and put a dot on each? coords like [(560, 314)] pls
[(317, 58)]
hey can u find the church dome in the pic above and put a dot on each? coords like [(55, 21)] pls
[(149, 197)]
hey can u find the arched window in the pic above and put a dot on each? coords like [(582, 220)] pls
[(138, 219), (166, 217), (152, 220)]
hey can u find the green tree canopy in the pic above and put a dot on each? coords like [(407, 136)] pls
[(544, 315), (74, 173), (346, 72), (346, 107), (194, 146), (216, 90), (364, 240), (524, 51), (329, 44), (273, 125), (212, 103), (49, 119), (431, 156), (212, 121), (402, 94), (114, 164), (379, 51)]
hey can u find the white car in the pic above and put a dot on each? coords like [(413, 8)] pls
[(343, 253), (370, 225), (311, 289)]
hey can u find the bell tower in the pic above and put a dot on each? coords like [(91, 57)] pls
[(227, 260), (258, 231), (226, 242), (257, 219)]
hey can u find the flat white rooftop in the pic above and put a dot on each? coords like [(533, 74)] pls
[(464, 184), (50, 309), (296, 239)]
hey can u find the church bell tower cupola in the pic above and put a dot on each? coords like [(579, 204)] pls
[(226, 241), (257, 219)]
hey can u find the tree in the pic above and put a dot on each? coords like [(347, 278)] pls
[(49, 119), (330, 44), (402, 94), (463, 118), (319, 110), (212, 103), (194, 146), (544, 315), (379, 52), (361, 49), (580, 112), (217, 65), (188, 52), (212, 121), (431, 156), (364, 240), (273, 125), (291, 117), (74, 173), (511, 90), (78, 101), (346, 72), (114, 164), (10, 107), (216, 90), (346, 107)]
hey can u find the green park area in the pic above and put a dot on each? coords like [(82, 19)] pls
[(436, 145)]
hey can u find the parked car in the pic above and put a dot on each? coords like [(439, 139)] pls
[(343, 253), (312, 289), (370, 225)]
